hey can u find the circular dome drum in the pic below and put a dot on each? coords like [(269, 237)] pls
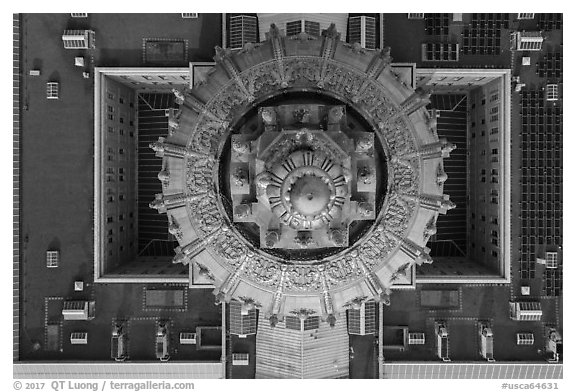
[(303, 174)]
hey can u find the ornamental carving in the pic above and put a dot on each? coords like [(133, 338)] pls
[(303, 199)]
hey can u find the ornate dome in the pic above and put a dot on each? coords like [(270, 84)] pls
[(303, 175), (309, 194)]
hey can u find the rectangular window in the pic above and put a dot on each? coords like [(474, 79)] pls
[(293, 28), (110, 95), (312, 28), (415, 16), (79, 15), (189, 15), (121, 100), (110, 117)]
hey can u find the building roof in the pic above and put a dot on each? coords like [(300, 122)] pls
[(282, 352)]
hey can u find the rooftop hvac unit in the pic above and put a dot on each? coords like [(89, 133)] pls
[(78, 310), (527, 40), (240, 359), (416, 338), (187, 338), (78, 39), (551, 95), (162, 335), (524, 339), (553, 345), (79, 338), (486, 342), (118, 344), (525, 311), (525, 290), (52, 256), (526, 16), (443, 350)]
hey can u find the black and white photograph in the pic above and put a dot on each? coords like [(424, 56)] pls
[(286, 196)]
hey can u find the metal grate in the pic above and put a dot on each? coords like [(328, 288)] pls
[(438, 51), (293, 28), (312, 322), (153, 236), (550, 21), (483, 37), (243, 29), (312, 28), (550, 67), (437, 24), (242, 324), (541, 182)]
